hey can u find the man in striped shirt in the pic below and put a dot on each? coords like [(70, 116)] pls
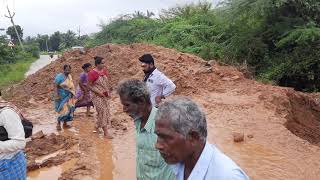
[(135, 98), (159, 85)]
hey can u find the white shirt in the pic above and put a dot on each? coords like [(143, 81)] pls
[(159, 85), (212, 165), (11, 121)]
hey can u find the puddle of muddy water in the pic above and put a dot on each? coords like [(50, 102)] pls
[(124, 156), (103, 148), (83, 130), (52, 173), (43, 158)]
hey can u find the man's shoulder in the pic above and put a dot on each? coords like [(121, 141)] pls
[(8, 112), (157, 73), (223, 166)]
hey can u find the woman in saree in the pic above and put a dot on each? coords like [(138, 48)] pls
[(64, 101), (99, 85), (83, 94)]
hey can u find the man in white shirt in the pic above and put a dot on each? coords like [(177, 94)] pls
[(159, 85), (182, 132), (12, 159)]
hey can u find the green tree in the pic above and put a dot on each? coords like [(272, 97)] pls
[(68, 40), (12, 33), (43, 41), (55, 41), (279, 40)]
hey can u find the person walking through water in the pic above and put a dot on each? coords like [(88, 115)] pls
[(64, 97), (99, 84), (83, 94)]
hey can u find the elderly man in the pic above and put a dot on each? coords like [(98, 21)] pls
[(182, 132), (159, 85), (135, 98)]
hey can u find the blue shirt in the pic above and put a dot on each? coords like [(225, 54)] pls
[(212, 165)]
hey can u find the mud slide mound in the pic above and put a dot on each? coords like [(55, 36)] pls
[(191, 74)]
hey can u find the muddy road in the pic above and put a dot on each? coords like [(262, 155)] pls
[(281, 127)]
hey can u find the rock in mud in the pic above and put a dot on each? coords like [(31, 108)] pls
[(238, 137), (38, 135)]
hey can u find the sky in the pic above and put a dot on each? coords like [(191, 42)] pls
[(48, 16)]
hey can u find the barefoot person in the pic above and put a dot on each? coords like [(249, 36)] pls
[(64, 97), (83, 93), (99, 86), (135, 98)]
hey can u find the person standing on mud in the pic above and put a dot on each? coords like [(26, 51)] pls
[(64, 97), (135, 98), (99, 85), (13, 164), (181, 127), (159, 85), (83, 94)]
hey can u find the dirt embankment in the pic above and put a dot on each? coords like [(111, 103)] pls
[(193, 76)]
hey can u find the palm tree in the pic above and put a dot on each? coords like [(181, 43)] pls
[(150, 14)]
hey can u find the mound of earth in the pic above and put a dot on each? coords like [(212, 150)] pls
[(274, 122), (191, 74)]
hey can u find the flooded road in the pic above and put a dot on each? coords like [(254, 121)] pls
[(94, 150), (40, 63), (265, 156), (269, 151)]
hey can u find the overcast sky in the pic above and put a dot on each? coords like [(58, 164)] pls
[(48, 16)]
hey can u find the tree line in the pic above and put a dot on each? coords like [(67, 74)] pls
[(279, 40)]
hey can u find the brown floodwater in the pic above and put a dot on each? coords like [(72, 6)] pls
[(82, 129), (259, 157)]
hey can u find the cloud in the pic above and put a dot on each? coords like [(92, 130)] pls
[(48, 16)]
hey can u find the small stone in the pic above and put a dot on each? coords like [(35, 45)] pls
[(235, 77), (226, 79), (250, 136), (38, 135), (238, 137), (211, 63)]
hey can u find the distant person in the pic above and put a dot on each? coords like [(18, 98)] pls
[(83, 94), (100, 87), (182, 141), (13, 164), (135, 99), (64, 97), (159, 85)]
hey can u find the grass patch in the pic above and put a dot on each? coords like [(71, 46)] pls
[(13, 73)]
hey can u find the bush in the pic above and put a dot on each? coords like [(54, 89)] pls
[(278, 39)]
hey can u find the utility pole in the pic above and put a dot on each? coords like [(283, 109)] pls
[(14, 26), (47, 45), (79, 30)]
